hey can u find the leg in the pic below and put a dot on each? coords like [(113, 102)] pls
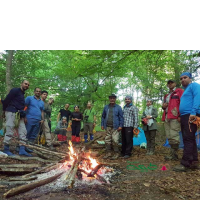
[(78, 128), (73, 133), (129, 141), (86, 132), (108, 143), (46, 131), (90, 125), (123, 141), (10, 117), (152, 140), (147, 135), (115, 143)]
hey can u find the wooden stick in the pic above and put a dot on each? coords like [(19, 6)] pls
[(30, 158), (15, 170), (95, 170), (22, 179), (92, 141), (20, 165), (30, 186), (38, 171), (41, 149)]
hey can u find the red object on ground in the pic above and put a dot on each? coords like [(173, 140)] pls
[(163, 168)]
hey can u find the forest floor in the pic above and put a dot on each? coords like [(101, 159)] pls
[(128, 182)]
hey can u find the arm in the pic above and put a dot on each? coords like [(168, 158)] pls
[(8, 98), (135, 125), (58, 117), (103, 118), (143, 115), (196, 98), (121, 118)]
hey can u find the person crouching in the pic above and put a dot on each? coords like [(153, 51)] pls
[(61, 129)]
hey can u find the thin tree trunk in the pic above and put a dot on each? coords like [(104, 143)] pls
[(8, 70)]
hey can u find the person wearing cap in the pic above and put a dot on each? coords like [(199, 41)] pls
[(171, 118), (112, 122), (150, 127), (76, 118), (189, 110), (130, 114)]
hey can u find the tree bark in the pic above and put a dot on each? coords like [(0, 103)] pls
[(9, 70)]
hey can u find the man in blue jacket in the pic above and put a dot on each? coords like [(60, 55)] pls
[(189, 109), (112, 122)]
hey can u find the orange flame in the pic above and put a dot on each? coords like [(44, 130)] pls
[(72, 153)]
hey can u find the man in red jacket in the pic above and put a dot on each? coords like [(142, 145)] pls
[(171, 118)]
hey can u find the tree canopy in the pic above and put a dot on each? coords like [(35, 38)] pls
[(79, 76)]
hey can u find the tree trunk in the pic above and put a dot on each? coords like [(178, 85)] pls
[(8, 70)]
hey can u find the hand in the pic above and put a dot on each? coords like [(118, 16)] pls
[(102, 128), (42, 121), (25, 120), (192, 117), (148, 117), (165, 105), (179, 119), (119, 129), (50, 119)]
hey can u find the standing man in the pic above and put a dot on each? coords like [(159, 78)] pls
[(130, 114), (14, 102), (112, 122), (89, 117), (64, 113), (189, 109), (34, 114), (45, 126), (50, 102), (171, 118)]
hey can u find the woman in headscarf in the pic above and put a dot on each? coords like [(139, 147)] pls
[(61, 129), (76, 118), (150, 126)]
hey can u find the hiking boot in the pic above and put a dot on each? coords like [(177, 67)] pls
[(151, 152), (173, 152), (126, 156), (108, 155), (180, 168), (148, 151), (86, 138), (195, 165), (22, 152), (115, 156), (7, 150)]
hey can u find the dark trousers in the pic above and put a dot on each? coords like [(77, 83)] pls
[(49, 123), (190, 152), (32, 127), (150, 137), (127, 140), (76, 130)]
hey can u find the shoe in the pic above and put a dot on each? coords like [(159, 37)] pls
[(73, 138), (78, 140), (86, 138), (28, 150), (22, 152), (148, 151), (180, 168), (151, 152), (115, 156), (195, 165), (91, 137), (51, 147), (108, 155), (7, 150), (126, 156), (173, 153)]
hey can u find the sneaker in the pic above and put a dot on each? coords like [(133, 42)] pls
[(108, 155), (180, 168), (115, 156), (126, 156)]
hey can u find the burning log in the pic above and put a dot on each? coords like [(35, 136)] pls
[(94, 171), (30, 186)]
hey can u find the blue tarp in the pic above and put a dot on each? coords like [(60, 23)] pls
[(181, 145), (140, 138)]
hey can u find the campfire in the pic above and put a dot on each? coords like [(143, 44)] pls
[(79, 168)]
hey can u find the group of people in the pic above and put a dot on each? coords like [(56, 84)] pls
[(180, 109)]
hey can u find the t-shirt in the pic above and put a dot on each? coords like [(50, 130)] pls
[(91, 113), (35, 107), (65, 113), (77, 115)]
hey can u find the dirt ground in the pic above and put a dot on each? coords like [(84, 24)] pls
[(140, 178)]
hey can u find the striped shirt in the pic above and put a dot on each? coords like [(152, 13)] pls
[(130, 115)]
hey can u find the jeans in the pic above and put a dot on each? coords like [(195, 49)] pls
[(32, 128)]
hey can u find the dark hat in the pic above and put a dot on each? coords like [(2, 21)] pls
[(173, 81), (113, 95)]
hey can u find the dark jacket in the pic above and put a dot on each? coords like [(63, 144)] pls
[(14, 101), (118, 119), (154, 114)]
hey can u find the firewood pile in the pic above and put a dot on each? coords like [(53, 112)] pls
[(75, 165)]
